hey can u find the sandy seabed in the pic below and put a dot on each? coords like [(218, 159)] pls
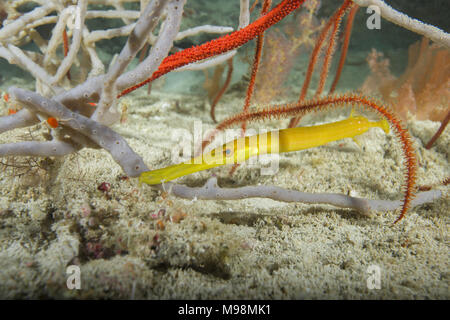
[(134, 242)]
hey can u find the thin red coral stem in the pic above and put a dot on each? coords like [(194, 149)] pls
[(439, 132), (222, 90), (315, 54), (256, 62), (254, 71), (428, 187), (66, 48), (331, 46), (253, 6), (221, 45), (344, 49)]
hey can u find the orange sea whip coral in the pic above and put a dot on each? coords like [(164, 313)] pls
[(222, 44), (66, 48), (255, 67), (253, 6), (344, 49), (428, 187), (318, 104), (222, 90), (331, 45), (439, 132), (256, 61), (334, 22)]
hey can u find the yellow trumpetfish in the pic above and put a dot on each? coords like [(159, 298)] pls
[(285, 140)]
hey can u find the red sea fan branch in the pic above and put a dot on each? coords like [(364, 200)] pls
[(333, 23), (222, 90), (347, 34), (222, 44)]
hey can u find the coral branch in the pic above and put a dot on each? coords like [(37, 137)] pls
[(22, 118), (212, 191), (254, 71), (331, 46), (135, 42), (80, 15), (66, 49), (344, 49), (256, 61), (208, 63), (439, 132), (222, 44), (101, 135), (159, 50), (222, 90), (13, 28), (332, 22), (431, 32), (37, 148)]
